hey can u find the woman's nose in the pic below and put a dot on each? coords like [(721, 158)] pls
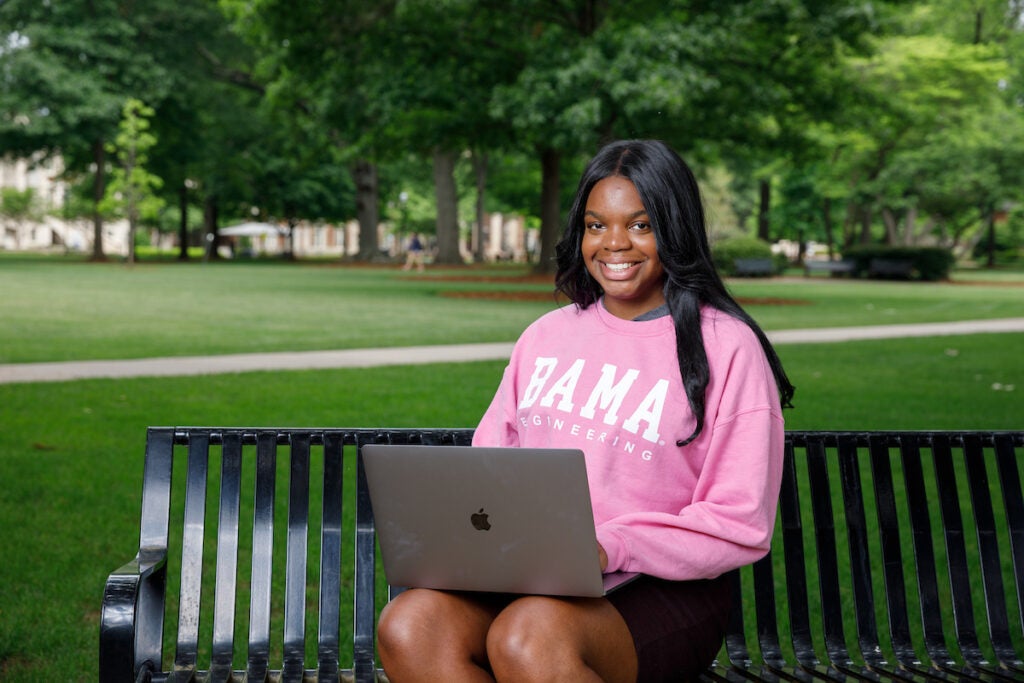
[(616, 239)]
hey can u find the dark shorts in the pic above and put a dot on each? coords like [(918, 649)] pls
[(677, 626)]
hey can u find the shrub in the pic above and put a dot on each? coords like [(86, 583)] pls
[(929, 263), (725, 252)]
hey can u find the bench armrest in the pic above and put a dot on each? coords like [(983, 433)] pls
[(132, 603)]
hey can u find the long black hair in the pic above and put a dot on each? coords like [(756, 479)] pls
[(669, 192)]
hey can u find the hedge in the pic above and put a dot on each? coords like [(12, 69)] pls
[(725, 252), (929, 263)]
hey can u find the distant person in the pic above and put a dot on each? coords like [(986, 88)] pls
[(414, 254), (675, 396)]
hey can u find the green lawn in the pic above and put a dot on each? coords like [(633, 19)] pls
[(71, 453), (54, 311)]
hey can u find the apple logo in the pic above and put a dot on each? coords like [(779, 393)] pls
[(479, 520)]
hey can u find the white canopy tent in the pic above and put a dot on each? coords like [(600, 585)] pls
[(251, 230)]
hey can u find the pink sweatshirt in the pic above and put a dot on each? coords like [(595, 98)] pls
[(611, 387)]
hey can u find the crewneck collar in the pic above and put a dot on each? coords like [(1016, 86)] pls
[(645, 326)]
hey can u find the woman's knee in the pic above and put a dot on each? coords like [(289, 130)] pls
[(401, 624), (427, 623), (538, 638), (528, 633)]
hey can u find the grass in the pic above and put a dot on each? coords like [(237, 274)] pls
[(55, 311), (71, 453)]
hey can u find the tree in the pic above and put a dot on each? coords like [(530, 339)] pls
[(920, 134), (132, 187), (69, 67), (17, 206), (320, 57)]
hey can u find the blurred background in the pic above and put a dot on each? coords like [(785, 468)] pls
[(241, 128)]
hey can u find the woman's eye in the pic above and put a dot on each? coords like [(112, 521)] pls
[(594, 226), (640, 227)]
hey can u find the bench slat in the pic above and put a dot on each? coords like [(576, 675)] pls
[(225, 594), (295, 568), (192, 552), (924, 553), (891, 543), (828, 566), (262, 555), (956, 551), (860, 559), (994, 595), (796, 573), (1013, 502), (328, 635), (364, 614)]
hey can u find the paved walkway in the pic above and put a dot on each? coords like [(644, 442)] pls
[(456, 353)]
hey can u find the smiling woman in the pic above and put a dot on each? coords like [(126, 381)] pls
[(672, 393), (620, 250)]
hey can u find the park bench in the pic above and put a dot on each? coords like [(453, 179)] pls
[(897, 556), (890, 268), (844, 267), (753, 267)]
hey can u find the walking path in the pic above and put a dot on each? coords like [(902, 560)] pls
[(455, 353)]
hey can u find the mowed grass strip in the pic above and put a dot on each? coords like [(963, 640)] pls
[(58, 311)]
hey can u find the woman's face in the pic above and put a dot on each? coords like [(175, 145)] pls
[(619, 249)]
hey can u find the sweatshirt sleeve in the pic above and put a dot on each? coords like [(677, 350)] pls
[(497, 427), (729, 517), (729, 522)]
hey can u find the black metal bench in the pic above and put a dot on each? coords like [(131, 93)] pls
[(890, 268), (897, 556), (753, 267), (843, 267)]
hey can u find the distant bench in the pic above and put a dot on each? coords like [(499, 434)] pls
[(844, 267), (889, 546), (890, 268), (753, 267)]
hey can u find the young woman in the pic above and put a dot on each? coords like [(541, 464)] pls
[(675, 396)]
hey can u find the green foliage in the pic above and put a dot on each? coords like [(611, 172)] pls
[(725, 252), (18, 204), (929, 263), (131, 190)]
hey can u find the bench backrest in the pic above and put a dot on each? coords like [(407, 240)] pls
[(880, 536)]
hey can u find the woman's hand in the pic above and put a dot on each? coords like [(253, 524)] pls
[(603, 557)]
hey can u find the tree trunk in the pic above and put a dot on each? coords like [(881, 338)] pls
[(763, 223), (210, 232), (909, 236), (133, 225), (865, 225), (889, 219), (826, 217), (447, 207), (990, 229), (364, 173), (183, 223), (480, 234), (550, 210), (99, 183)]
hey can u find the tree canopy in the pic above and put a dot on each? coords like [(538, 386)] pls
[(898, 121)]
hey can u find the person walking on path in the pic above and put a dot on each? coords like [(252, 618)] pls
[(415, 255)]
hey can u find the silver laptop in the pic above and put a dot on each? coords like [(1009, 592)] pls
[(511, 520)]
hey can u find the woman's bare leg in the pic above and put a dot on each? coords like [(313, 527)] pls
[(538, 638), (427, 635)]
